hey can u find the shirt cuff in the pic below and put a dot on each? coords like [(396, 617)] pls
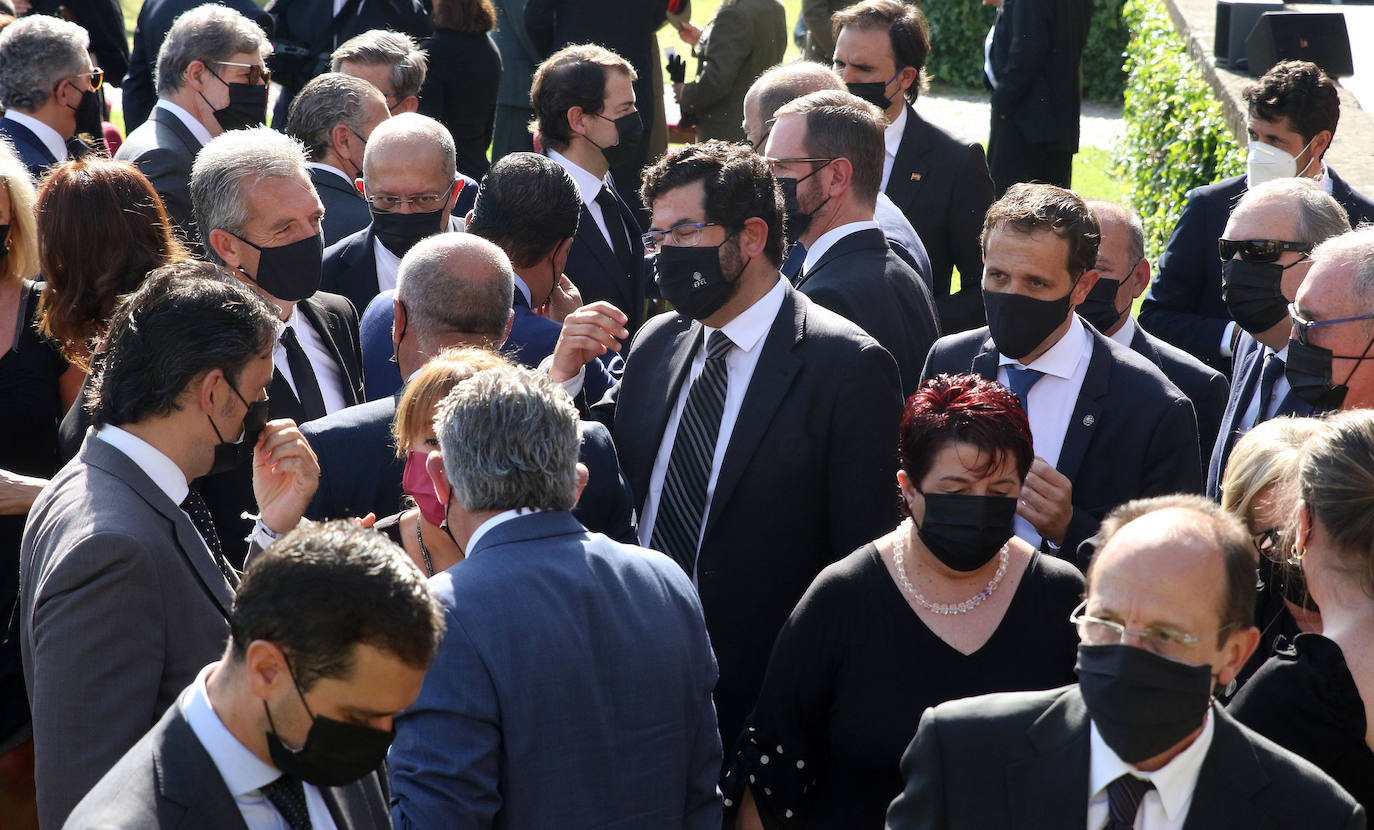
[(262, 535), (573, 385), (1227, 336)]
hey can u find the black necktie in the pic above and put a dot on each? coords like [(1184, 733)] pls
[(615, 226), (1123, 801), (1021, 379), (287, 794), (677, 528), (194, 506), (1273, 368), (303, 376)]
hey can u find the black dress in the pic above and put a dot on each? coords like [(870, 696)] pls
[(1305, 700), (460, 93), (853, 670)]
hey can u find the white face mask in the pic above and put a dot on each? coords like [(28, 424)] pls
[(1265, 163)]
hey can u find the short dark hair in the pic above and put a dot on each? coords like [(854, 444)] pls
[(839, 125), (574, 76), (1299, 91), (326, 587), (967, 409), (739, 184), (1028, 208), (470, 16), (907, 29), (526, 204), (1239, 557), (187, 318)]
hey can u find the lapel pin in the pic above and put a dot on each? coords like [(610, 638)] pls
[(915, 177), (1089, 420)]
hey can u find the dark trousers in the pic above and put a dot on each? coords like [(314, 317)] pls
[(1013, 159), (511, 133)]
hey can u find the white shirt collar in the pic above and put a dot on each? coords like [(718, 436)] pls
[(242, 771), (830, 237), (1062, 358), (162, 470), (56, 144), (192, 123), (524, 291), (499, 519), (748, 328), (329, 168), (1174, 782), (1126, 333), (892, 133), (587, 183)]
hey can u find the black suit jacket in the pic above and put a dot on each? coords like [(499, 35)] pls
[(32, 152), (345, 212), (807, 475), (168, 780), (1036, 49), (1132, 432), (1184, 304), (1021, 760), (164, 149), (1204, 386), (864, 281), (596, 271), (350, 268), (943, 186)]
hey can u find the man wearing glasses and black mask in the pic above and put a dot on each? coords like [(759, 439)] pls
[(1333, 336), (1265, 254), (47, 82)]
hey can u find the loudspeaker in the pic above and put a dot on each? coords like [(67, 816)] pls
[(1319, 37), (1235, 19)]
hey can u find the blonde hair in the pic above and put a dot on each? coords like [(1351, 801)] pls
[(1336, 480), (1264, 468), (416, 408), (22, 260)]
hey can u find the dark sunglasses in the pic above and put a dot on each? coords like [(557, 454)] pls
[(1259, 250)]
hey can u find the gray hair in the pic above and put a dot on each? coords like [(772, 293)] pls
[(229, 166), (208, 34), (327, 101), (1353, 250), (455, 283), (381, 47), (403, 131), (36, 52), (1320, 217), (787, 82), (1121, 215), (510, 439)]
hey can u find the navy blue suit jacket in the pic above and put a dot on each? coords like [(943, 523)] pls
[(345, 211), (31, 151), (1205, 387), (1184, 304), (572, 689), (901, 238)]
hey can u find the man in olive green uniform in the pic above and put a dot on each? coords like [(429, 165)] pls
[(820, 35), (744, 38)]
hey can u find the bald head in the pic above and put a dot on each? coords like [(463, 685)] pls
[(778, 86), (412, 143), (451, 289)]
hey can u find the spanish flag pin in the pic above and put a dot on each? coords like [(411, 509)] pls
[(915, 177)]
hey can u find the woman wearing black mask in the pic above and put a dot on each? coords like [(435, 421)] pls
[(948, 605), (1316, 697)]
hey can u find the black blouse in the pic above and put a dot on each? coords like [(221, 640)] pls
[(853, 670), (1305, 700)]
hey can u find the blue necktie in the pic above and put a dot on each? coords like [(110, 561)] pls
[(1123, 801), (1273, 369), (1021, 379)]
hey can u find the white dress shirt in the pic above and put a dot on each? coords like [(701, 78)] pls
[(747, 331), (164, 472), (524, 291), (499, 519), (1051, 401), (50, 137), (388, 264), (892, 139), (190, 121), (329, 168), (328, 374), (1163, 808), (829, 238), (589, 186), (243, 772)]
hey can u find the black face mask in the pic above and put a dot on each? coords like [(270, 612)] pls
[(90, 114), (965, 532), (399, 232), (1099, 307), (629, 129), (1019, 324), (247, 105), (335, 753), (289, 272), (232, 454), (874, 92), (1308, 371), (1253, 295), (798, 222), (692, 280), (1141, 703)]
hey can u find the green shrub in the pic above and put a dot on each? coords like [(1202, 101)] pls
[(1176, 137)]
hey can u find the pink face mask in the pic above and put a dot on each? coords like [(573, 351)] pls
[(416, 483)]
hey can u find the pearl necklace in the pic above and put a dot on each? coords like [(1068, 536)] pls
[(899, 553)]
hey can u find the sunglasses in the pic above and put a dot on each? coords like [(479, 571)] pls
[(1259, 250), (97, 77)]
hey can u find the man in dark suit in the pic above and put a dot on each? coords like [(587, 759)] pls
[(539, 597), (941, 183), (1123, 272), (45, 75), (1032, 69), (1329, 354), (1293, 113), (1167, 621), (757, 459), (125, 589), (259, 216), (333, 116), (826, 149), (1259, 283), (310, 648), (584, 101), (205, 51), (1108, 425)]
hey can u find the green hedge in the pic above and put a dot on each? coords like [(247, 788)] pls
[(1176, 137), (958, 27)]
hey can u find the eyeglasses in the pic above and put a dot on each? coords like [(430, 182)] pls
[(96, 75), (1099, 632), (1266, 541), (774, 163), (424, 203), (686, 235), (257, 73), (1259, 250), (1302, 326)]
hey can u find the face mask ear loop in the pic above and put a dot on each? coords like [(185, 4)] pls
[(1363, 357)]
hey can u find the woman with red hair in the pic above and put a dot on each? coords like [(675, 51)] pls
[(948, 605)]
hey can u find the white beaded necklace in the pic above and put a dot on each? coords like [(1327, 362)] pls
[(899, 553)]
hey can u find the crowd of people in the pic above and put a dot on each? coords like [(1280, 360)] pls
[(813, 473)]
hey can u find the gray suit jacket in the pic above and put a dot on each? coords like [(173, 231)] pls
[(163, 149), (120, 606), (168, 780)]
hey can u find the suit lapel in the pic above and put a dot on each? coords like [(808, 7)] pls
[(845, 245), (1141, 345), (1249, 370), (171, 122), (327, 326), (1230, 777), (909, 168), (187, 776), (985, 363), (596, 244), (1050, 789), (1088, 409), (678, 359), (19, 132)]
